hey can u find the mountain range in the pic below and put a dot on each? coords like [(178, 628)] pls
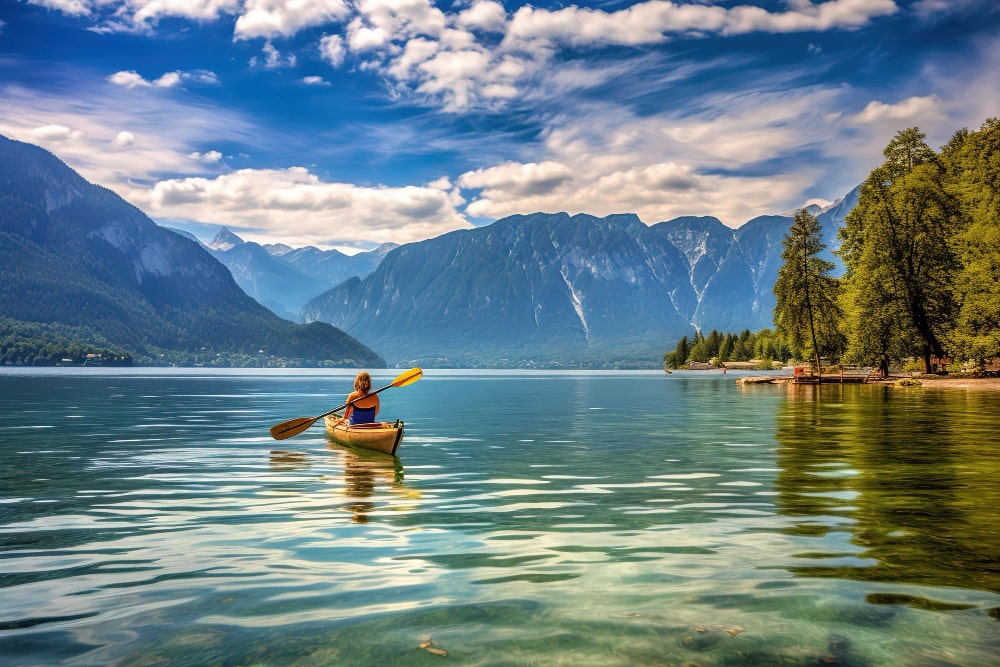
[(285, 278), (562, 290), (76, 254), (546, 289)]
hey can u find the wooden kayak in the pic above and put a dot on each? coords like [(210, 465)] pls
[(376, 437)]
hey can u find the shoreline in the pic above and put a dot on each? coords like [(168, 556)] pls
[(926, 382), (950, 382)]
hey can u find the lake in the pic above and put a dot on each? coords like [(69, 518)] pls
[(530, 518)]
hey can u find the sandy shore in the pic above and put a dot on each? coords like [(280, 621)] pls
[(926, 382), (949, 382)]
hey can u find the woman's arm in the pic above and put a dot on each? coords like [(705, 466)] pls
[(350, 408)]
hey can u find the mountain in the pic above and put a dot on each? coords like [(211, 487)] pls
[(548, 289), (76, 254), (330, 267), (561, 290), (280, 287), (285, 278)]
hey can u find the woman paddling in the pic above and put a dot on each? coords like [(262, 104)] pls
[(362, 408)]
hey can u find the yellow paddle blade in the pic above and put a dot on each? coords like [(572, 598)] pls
[(292, 427), (409, 377)]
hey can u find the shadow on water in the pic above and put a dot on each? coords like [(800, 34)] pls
[(909, 474)]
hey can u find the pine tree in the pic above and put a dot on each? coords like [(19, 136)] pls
[(807, 312)]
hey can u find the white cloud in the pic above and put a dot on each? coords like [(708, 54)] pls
[(315, 81), (208, 157), (332, 49), (518, 180), (456, 59), (55, 133), (132, 79), (476, 55), (81, 125), (273, 201), (483, 15), (282, 18), (273, 58), (128, 79), (68, 7), (603, 159), (911, 110), (123, 139)]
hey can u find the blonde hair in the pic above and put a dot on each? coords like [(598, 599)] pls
[(363, 382)]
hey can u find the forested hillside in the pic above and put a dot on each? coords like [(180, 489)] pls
[(77, 255)]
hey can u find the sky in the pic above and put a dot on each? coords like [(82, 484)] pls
[(350, 123)]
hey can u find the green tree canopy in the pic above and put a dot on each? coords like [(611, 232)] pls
[(807, 313), (899, 257)]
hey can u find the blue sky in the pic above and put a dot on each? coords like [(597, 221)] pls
[(347, 123)]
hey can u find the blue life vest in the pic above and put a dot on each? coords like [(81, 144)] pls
[(362, 415)]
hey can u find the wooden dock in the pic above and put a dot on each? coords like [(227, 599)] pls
[(804, 375)]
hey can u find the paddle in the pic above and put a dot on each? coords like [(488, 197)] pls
[(293, 427)]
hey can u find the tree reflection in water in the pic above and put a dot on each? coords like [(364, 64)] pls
[(912, 475)]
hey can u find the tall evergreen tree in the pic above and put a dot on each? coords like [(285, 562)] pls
[(899, 260), (807, 312)]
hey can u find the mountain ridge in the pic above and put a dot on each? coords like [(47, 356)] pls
[(75, 253), (562, 290)]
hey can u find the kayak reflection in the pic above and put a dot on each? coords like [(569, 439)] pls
[(372, 481)]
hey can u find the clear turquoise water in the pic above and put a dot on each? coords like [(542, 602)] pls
[(529, 519)]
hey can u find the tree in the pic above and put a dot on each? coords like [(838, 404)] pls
[(899, 259), (807, 313), (679, 356), (973, 160)]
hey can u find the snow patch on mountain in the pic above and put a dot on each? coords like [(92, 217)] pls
[(577, 303)]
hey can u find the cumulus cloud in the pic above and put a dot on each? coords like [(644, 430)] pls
[(208, 157), (483, 15), (604, 159), (132, 79), (276, 200), (315, 81), (273, 58), (911, 110), (518, 180), (476, 55), (282, 18), (332, 49), (480, 56), (123, 139), (141, 16)]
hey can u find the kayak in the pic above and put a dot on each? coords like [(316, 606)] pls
[(377, 437)]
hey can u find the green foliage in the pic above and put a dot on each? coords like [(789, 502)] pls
[(897, 247), (764, 346), (35, 344), (807, 313), (973, 159), (679, 357)]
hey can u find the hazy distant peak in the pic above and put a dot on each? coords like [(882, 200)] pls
[(814, 206), (225, 240), (277, 249)]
